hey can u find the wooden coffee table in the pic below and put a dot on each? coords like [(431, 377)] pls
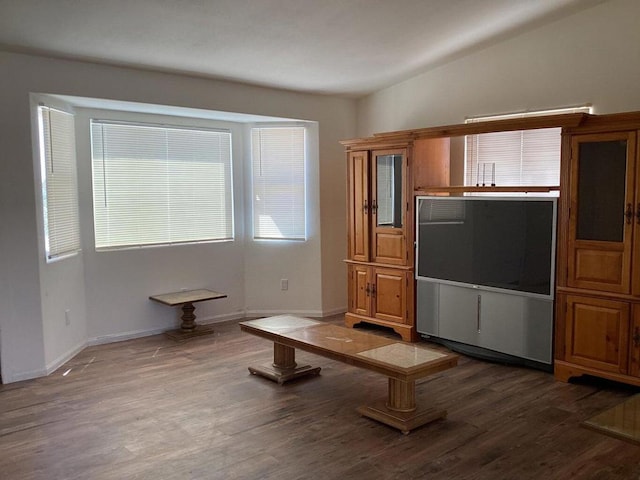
[(403, 363)]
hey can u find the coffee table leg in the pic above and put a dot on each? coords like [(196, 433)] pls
[(400, 410), (402, 396), (284, 366)]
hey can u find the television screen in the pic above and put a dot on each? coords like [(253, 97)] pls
[(505, 243)]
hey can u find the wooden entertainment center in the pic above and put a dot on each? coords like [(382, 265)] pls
[(597, 300)]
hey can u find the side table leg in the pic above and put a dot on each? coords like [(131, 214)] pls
[(284, 366), (189, 328), (400, 410), (188, 317)]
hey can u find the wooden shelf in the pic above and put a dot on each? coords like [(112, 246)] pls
[(472, 189), (565, 120), (403, 137)]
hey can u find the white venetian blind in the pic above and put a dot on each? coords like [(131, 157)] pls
[(157, 185), (385, 188), (278, 157), (59, 182), (522, 157)]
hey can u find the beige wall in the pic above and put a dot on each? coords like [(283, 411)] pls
[(592, 57), (34, 295)]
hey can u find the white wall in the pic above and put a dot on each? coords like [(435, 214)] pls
[(62, 281), (267, 263), (33, 336), (21, 329), (592, 57), (119, 282)]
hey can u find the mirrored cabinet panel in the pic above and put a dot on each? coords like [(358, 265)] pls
[(389, 207), (389, 190)]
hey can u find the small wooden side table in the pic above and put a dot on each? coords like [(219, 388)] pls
[(188, 327)]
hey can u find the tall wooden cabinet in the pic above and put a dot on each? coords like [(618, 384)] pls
[(598, 294), (380, 271), (380, 279)]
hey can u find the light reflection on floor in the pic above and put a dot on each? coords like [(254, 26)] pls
[(622, 421)]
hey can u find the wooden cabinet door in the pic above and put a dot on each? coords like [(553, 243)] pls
[(602, 205), (634, 357), (597, 333), (359, 206), (360, 288), (389, 206), (390, 300)]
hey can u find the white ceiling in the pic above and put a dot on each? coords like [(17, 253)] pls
[(344, 47)]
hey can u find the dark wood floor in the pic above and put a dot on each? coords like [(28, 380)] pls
[(155, 409)]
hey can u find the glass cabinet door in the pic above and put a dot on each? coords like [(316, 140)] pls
[(603, 211), (389, 206), (602, 174), (389, 190)]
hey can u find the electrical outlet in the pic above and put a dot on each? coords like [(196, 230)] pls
[(67, 317), (284, 284)]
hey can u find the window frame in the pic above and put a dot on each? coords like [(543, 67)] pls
[(190, 127), (56, 247), (304, 184)]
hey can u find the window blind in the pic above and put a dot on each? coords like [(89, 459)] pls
[(523, 157), (155, 185), (59, 182), (385, 189), (278, 158)]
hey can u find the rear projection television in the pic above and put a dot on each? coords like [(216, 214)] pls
[(495, 243)]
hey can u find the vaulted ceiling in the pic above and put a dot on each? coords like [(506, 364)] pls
[(342, 47)]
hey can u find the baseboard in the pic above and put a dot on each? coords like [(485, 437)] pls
[(221, 318), (10, 377), (334, 311), (64, 358), (20, 376), (120, 337)]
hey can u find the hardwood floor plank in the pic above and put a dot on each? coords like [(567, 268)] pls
[(151, 408)]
